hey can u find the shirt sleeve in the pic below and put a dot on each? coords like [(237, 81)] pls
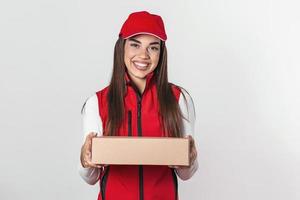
[(189, 117), (91, 123), (188, 112)]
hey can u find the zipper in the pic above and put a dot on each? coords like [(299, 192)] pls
[(129, 123), (139, 126), (141, 176), (139, 120)]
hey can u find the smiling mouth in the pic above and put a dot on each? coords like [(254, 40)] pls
[(141, 66)]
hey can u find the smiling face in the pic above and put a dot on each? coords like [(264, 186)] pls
[(141, 56)]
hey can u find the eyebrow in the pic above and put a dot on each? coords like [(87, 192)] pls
[(134, 40)]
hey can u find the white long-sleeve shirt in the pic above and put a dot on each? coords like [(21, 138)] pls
[(92, 123)]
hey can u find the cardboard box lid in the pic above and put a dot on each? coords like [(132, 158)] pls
[(121, 150)]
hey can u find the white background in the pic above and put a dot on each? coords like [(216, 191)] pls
[(238, 59)]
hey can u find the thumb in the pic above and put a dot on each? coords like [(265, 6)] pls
[(91, 135)]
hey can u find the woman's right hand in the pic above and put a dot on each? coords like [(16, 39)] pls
[(86, 152)]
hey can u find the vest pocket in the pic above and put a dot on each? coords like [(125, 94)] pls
[(129, 123)]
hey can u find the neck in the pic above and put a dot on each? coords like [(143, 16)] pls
[(139, 83)]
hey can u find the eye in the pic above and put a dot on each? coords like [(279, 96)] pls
[(134, 45), (154, 48)]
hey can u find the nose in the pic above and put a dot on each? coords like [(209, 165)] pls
[(144, 53)]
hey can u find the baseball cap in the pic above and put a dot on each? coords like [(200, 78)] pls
[(143, 22)]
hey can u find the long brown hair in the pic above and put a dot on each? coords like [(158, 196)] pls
[(170, 113)]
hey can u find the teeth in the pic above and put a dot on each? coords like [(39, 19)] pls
[(140, 64)]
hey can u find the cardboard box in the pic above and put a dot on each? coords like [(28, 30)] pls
[(120, 150)]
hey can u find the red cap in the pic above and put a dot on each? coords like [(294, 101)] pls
[(143, 23)]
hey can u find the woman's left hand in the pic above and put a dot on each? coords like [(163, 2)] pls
[(192, 154)]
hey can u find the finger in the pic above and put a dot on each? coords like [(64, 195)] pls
[(88, 139), (102, 165), (192, 141), (178, 167), (85, 152), (173, 166), (90, 164), (86, 158), (91, 135), (193, 156), (192, 162), (87, 155), (195, 153), (85, 163)]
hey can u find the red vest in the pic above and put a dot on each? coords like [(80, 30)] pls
[(129, 182)]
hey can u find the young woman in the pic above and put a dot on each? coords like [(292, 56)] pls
[(139, 101)]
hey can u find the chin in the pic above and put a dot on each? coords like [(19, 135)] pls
[(140, 75)]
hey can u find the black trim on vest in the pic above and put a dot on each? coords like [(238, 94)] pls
[(175, 183), (104, 182), (129, 123)]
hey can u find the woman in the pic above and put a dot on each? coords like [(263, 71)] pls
[(139, 101)]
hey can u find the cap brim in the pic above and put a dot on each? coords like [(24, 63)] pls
[(147, 33)]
